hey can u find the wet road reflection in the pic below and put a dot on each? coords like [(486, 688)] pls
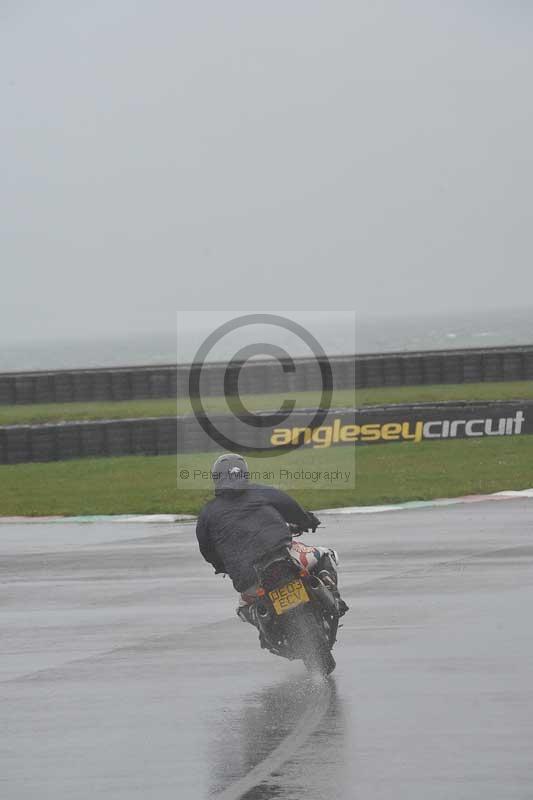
[(246, 736)]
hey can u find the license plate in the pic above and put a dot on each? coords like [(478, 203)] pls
[(289, 596)]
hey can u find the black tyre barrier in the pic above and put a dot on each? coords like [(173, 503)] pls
[(258, 377)]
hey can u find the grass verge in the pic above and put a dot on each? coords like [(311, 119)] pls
[(385, 474), (58, 412)]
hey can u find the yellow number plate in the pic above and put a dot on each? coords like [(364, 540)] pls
[(289, 596)]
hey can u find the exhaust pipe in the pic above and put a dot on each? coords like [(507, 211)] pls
[(263, 612), (322, 594)]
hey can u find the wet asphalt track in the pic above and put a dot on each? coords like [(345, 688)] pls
[(124, 673)]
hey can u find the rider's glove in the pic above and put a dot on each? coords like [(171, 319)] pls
[(314, 522), (294, 529)]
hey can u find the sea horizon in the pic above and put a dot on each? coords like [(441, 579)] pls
[(373, 334)]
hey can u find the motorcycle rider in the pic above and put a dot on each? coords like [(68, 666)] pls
[(245, 521)]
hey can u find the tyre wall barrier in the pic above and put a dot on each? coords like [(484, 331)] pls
[(263, 377), (348, 427)]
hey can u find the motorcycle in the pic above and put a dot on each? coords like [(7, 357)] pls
[(296, 613)]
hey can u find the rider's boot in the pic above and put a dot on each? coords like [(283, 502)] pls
[(327, 572), (246, 614)]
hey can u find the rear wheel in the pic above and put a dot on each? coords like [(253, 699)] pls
[(321, 661), (310, 642)]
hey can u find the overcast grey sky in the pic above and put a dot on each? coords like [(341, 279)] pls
[(164, 155)]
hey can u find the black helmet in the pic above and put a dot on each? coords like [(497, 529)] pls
[(230, 473)]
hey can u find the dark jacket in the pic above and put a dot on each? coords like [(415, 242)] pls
[(237, 528)]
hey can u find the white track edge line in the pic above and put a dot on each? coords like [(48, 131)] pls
[(407, 506)]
